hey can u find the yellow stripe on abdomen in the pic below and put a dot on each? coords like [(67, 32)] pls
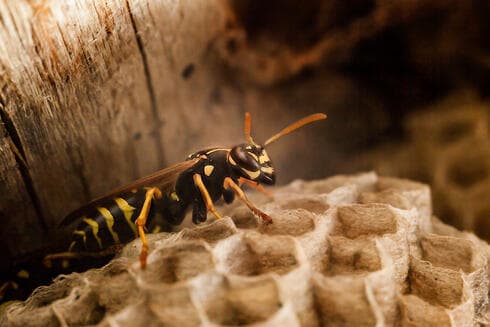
[(127, 210), (82, 234), (109, 221), (95, 229)]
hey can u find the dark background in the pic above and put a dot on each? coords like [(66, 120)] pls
[(405, 85)]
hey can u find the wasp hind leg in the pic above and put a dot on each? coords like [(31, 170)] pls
[(205, 195), (68, 255), (4, 287), (229, 183), (141, 222)]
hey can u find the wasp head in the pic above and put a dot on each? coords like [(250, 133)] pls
[(252, 162)]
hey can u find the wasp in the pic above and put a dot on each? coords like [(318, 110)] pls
[(124, 214), (197, 183)]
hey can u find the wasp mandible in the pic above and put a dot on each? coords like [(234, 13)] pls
[(205, 177)]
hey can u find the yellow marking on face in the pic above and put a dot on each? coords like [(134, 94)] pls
[(127, 210), (268, 170), (252, 174), (264, 157), (219, 149), (23, 274), (174, 196), (81, 233), (253, 155), (109, 221), (208, 170), (230, 159), (95, 229)]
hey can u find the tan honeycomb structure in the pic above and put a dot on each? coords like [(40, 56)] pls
[(357, 250), (453, 143), (449, 147)]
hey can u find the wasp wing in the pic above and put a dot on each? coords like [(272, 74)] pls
[(164, 179)]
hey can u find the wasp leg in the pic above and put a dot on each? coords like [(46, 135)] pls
[(255, 186), (4, 288), (47, 260), (205, 195), (141, 222), (229, 183)]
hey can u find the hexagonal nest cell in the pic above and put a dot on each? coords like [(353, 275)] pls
[(364, 252)]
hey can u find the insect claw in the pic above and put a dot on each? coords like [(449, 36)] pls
[(266, 219)]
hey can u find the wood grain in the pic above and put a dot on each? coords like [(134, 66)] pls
[(99, 93), (18, 213)]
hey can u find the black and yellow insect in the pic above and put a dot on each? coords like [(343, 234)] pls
[(103, 225), (196, 183)]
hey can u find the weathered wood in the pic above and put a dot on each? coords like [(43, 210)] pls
[(101, 92), (17, 211)]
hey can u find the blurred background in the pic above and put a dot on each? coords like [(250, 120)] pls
[(405, 85), (128, 89)]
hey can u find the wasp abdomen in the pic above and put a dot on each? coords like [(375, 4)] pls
[(110, 222)]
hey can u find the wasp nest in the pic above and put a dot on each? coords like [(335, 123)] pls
[(449, 147), (345, 251), (454, 147)]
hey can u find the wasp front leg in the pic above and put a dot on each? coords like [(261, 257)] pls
[(141, 222), (255, 186), (230, 184), (205, 195)]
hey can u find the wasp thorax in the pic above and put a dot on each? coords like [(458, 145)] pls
[(252, 162)]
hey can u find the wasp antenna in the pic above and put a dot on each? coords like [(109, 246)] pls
[(294, 126), (248, 128)]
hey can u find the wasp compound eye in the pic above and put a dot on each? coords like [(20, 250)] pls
[(244, 159)]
